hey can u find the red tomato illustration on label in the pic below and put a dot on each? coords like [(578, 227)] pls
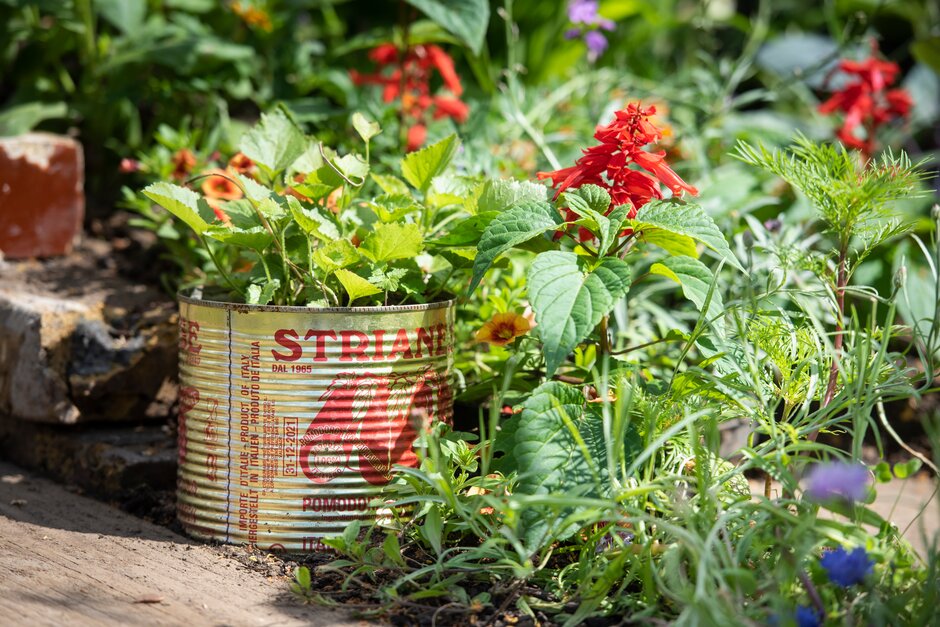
[(371, 421)]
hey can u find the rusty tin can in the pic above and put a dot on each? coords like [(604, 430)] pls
[(291, 418)]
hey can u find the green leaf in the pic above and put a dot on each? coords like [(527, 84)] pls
[(355, 285), (392, 548), (252, 189), (451, 189), (570, 303), (558, 448), (432, 528), (258, 295), (615, 219), (275, 142), (302, 576), (309, 160), (256, 238), (591, 202), (459, 258), (25, 117), (387, 280), (366, 128), (465, 19), (179, 201), (592, 198), (518, 224), (315, 191), (392, 241), (695, 278), (392, 208), (335, 255), (672, 243), (467, 232), (682, 219), (883, 472), (125, 15), (351, 166), (903, 470), (391, 185), (500, 194), (312, 222), (421, 166)]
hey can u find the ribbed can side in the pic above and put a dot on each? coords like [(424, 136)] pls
[(292, 419)]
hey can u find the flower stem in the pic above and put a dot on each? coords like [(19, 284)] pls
[(605, 339), (813, 593), (841, 280), (219, 267)]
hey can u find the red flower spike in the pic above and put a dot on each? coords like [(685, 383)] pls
[(445, 66), (384, 54), (416, 136), (608, 164), (409, 82), (450, 107), (865, 103)]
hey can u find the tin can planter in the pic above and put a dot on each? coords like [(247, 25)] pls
[(291, 419)]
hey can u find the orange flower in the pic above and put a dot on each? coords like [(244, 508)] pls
[(503, 328), (183, 162), (332, 201), (241, 164), (220, 185), (252, 16), (219, 212)]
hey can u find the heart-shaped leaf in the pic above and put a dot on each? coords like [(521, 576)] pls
[(569, 302)]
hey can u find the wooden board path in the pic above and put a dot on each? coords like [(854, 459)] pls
[(69, 560)]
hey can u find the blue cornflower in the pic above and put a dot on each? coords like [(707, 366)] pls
[(837, 480), (847, 569), (807, 617)]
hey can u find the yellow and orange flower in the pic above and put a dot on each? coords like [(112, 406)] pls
[(217, 188), (183, 162), (503, 328), (241, 164), (252, 15), (219, 184)]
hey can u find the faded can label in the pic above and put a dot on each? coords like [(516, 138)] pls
[(291, 421)]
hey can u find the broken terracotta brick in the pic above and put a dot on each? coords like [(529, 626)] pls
[(42, 199)]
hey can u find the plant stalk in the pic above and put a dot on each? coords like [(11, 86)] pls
[(605, 338)]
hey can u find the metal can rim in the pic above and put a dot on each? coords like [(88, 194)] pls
[(192, 299)]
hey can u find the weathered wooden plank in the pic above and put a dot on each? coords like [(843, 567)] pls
[(67, 559)]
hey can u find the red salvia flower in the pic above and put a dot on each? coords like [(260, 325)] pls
[(416, 136), (407, 78), (608, 164), (866, 102)]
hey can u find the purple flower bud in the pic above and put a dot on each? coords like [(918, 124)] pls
[(572, 33), (847, 569), (582, 11), (596, 43), (837, 480), (773, 225)]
